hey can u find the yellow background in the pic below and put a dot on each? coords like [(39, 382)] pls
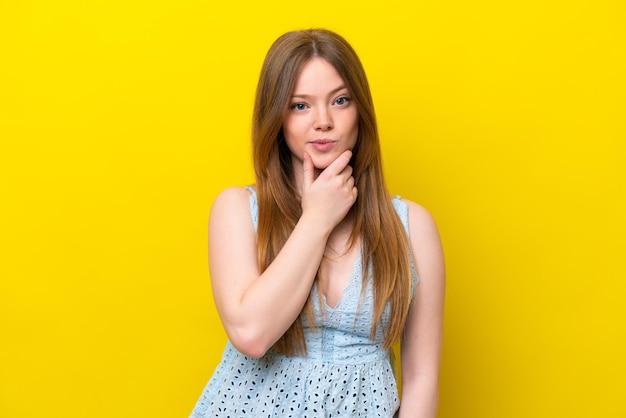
[(120, 122)]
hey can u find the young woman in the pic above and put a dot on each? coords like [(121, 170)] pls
[(315, 269)]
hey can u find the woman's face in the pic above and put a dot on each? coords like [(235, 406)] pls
[(321, 119)]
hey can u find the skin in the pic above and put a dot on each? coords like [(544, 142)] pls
[(256, 309)]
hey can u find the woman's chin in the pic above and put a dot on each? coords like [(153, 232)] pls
[(320, 167), (322, 162)]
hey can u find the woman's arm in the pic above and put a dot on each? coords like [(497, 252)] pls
[(256, 309), (421, 343)]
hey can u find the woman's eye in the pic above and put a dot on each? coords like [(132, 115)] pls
[(342, 101), (298, 106)]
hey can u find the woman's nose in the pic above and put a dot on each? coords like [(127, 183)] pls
[(323, 119)]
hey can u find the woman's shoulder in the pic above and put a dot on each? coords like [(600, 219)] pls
[(425, 244), (420, 220), (234, 194), (232, 200)]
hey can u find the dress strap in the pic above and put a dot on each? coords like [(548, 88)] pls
[(254, 207)]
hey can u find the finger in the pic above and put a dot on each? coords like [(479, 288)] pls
[(339, 164), (308, 170), (348, 172)]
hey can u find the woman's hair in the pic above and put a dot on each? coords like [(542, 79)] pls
[(383, 237)]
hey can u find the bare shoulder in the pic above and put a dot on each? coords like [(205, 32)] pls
[(421, 222), (230, 205), (232, 195), (231, 199), (426, 245)]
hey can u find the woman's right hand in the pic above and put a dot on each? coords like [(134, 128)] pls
[(328, 198)]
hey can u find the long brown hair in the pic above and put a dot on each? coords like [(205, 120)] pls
[(383, 237)]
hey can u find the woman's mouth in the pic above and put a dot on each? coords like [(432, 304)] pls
[(322, 145)]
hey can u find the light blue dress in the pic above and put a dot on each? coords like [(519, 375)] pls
[(344, 374)]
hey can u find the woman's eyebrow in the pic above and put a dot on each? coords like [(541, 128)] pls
[(307, 96)]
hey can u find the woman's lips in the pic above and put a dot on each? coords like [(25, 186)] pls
[(322, 144)]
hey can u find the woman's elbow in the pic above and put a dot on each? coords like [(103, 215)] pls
[(250, 343)]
